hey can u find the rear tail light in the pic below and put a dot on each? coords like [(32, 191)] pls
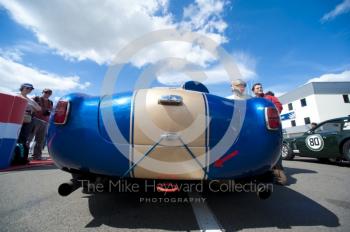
[(272, 117), (61, 112)]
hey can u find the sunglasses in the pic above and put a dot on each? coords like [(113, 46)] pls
[(243, 85)]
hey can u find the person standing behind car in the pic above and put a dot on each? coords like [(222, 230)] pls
[(313, 125), (258, 91), (40, 120), (278, 169), (238, 89), (271, 96), (28, 123)]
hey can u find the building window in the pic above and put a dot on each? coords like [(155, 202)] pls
[(290, 106), (307, 120), (293, 123), (303, 102), (346, 98)]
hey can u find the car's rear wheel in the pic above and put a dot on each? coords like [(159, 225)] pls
[(346, 150), (287, 153)]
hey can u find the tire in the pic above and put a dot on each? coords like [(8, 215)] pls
[(346, 150), (324, 160), (287, 153)]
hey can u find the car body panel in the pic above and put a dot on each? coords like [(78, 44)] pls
[(84, 143), (332, 140)]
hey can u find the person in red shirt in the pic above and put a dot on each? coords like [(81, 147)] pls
[(271, 96), (40, 120), (278, 170)]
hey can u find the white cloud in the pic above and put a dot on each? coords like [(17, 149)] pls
[(246, 65), (14, 54), (175, 49), (17, 51), (99, 29), (212, 75), (341, 8), (282, 89), (329, 77), (205, 16), (13, 74)]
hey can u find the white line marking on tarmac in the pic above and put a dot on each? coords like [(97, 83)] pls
[(205, 218)]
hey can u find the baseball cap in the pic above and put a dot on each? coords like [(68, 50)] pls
[(27, 85)]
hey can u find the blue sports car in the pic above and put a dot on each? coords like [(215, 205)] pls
[(163, 133)]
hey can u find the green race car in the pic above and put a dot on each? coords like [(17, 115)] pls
[(328, 141)]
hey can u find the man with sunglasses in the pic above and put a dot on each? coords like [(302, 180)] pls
[(40, 120)]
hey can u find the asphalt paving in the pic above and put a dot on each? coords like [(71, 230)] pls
[(317, 198)]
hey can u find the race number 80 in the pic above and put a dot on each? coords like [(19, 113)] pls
[(314, 142)]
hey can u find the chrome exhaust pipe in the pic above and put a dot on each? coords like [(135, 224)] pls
[(67, 188)]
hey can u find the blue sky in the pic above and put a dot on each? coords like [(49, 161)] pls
[(282, 44)]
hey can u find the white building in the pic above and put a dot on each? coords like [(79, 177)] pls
[(314, 102)]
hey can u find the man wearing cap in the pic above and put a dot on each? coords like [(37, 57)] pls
[(40, 120), (238, 89), (28, 123)]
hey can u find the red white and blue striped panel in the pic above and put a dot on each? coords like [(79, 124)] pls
[(11, 117)]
